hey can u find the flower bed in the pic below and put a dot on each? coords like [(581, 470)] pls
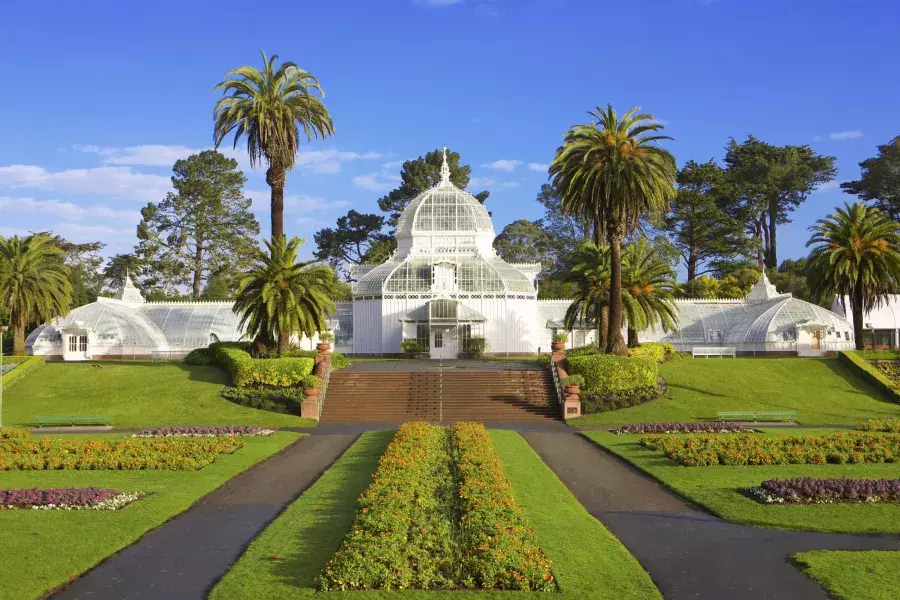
[(681, 428), (439, 514), (192, 431), (807, 490), (90, 498), (752, 449), (499, 548), (174, 454), (890, 369), (9, 433), (883, 425), (402, 535)]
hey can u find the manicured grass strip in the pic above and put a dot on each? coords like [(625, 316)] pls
[(720, 489), (822, 391), (52, 546), (135, 394), (846, 575), (283, 562)]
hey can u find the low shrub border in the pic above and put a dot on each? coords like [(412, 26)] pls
[(883, 425), (658, 351), (246, 370), (499, 547), (751, 449), (195, 431), (638, 428), (172, 454), (90, 498), (284, 400), (808, 490), (26, 364), (10, 433), (857, 361)]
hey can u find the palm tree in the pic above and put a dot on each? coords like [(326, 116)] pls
[(34, 283), (856, 253), (590, 305), (614, 169), (271, 107), (280, 297), (648, 290)]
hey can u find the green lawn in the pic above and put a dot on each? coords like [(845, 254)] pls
[(821, 390), (718, 489), (870, 575), (135, 394), (284, 561), (44, 549)]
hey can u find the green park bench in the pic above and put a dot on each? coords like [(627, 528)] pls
[(72, 420), (756, 416)]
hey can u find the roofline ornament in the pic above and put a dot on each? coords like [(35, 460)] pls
[(445, 170)]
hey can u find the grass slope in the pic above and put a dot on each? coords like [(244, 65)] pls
[(284, 561), (821, 390), (869, 575), (718, 489), (44, 549), (135, 394)]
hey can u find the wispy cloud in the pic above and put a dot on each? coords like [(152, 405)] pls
[(111, 182), (376, 182), (491, 184), (828, 185), (841, 136), (66, 210), (312, 222), (538, 167), (507, 165), (393, 164)]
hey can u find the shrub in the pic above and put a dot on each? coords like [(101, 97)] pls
[(751, 449), (279, 400), (858, 363), (476, 346), (194, 431), (589, 350), (499, 548), (604, 373), (890, 369), (884, 425), (402, 535), (543, 360), (808, 490), (171, 454), (90, 498), (658, 351), (339, 361), (311, 381), (246, 371), (576, 380), (560, 338), (681, 428), (326, 337), (412, 346), (199, 357), (10, 433), (25, 365)]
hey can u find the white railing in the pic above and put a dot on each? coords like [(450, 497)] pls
[(321, 403), (708, 351), (560, 395)]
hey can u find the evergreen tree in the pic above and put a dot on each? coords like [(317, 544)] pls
[(879, 183)]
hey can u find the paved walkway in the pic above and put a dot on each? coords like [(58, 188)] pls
[(184, 558), (688, 552)]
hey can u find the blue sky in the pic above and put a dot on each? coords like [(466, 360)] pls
[(100, 98)]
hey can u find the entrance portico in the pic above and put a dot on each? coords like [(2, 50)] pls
[(444, 326)]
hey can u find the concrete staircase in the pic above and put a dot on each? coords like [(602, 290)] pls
[(495, 395)]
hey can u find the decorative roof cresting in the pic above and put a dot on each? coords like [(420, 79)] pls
[(445, 170)]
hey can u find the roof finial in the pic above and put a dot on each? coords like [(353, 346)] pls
[(445, 169)]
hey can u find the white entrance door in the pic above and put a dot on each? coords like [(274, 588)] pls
[(443, 343)]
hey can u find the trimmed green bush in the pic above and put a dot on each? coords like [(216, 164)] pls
[(658, 351), (589, 350), (412, 346), (608, 373), (246, 370), (199, 357), (476, 347), (278, 400), (857, 362), (311, 381), (543, 360), (26, 365)]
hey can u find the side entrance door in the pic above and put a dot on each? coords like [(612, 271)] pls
[(443, 343)]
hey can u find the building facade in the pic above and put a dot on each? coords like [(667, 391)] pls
[(881, 325)]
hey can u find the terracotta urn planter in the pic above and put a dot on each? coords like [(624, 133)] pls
[(323, 347), (312, 393), (558, 346), (572, 390)]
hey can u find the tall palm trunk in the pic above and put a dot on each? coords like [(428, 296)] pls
[(604, 328), (18, 337), (856, 301), (284, 341), (275, 177), (615, 343), (633, 338)]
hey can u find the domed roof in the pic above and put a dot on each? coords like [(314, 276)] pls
[(444, 209), (111, 320)]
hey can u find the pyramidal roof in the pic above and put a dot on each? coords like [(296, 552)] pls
[(129, 293), (764, 289)]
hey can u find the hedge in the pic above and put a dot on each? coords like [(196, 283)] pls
[(658, 351), (609, 373), (246, 370), (26, 365), (857, 362)]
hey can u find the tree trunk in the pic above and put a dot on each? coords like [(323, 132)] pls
[(284, 341), (604, 327), (585, 231), (691, 265), (18, 338), (275, 177), (773, 220), (632, 338), (765, 248), (598, 228), (856, 302), (615, 343), (198, 267), (760, 256)]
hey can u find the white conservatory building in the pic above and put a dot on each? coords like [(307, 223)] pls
[(443, 285)]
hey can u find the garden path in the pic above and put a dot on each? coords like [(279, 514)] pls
[(688, 552), (185, 557)]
